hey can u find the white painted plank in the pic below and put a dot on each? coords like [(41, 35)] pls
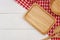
[(20, 35), (14, 21), (10, 6)]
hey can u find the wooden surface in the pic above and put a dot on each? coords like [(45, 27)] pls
[(55, 6), (40, 19)]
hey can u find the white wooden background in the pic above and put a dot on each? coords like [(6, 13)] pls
[(12, 24)]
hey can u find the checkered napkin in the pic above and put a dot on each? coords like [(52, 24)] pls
[(45, 4)]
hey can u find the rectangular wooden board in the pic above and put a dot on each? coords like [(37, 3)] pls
[(39, 18)]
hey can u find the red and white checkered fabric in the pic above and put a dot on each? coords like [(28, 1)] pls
[(45, 4)]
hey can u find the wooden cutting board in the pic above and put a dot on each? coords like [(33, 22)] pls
[(39, 18), (55, 6)]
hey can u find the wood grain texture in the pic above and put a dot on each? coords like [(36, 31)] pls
[(39, 18), (55, 6)]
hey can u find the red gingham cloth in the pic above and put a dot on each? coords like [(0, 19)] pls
[(45, 4)]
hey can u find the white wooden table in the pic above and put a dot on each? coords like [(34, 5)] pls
[(12, 24)]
